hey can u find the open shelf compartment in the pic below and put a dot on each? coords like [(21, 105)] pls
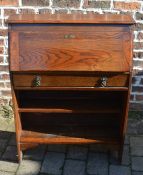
[(70, 101), (68, 128)]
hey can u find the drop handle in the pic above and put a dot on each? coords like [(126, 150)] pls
[(103, 81), (36, 81)]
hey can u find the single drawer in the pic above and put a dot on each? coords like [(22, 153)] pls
[(70, 48), (44, 80)]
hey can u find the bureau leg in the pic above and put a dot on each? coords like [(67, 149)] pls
[(20, 154)]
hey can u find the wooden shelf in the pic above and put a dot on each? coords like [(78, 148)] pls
[(67, 128), (37, 137), (64, 110), (68, 106)]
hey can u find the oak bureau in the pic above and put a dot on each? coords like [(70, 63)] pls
[(70, 78)]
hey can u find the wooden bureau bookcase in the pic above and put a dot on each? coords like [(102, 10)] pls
[(70, 78)]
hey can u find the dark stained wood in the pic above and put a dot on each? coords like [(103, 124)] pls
[(72, 18), (85, 66)]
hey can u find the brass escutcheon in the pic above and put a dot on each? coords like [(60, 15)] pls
[(69, 36)]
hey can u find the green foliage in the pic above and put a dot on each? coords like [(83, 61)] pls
[(6, 111)]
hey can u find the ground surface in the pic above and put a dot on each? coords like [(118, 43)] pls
[(72, 160)]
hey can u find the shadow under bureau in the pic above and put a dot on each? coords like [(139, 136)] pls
[(70, 78)]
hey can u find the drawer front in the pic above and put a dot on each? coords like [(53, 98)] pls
[(84, 48), (36, 80)]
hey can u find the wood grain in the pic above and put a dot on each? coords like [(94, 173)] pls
[(14, 51), (72, 18), (27, 137), (86, 52)]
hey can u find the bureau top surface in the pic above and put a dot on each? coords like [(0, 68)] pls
[(72, 18)]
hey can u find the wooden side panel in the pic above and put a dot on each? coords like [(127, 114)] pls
[(18, 126), (127, 49), (14, 51)]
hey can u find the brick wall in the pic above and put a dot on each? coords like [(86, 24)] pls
[(132, 7)]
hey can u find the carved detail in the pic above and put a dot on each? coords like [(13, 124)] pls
[(37, 81), (103, 81)]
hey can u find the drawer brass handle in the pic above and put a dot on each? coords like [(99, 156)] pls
[(103, 82), (37, 81), (69, 36)]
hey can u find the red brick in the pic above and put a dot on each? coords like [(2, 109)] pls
[(8, 12), (3, 32), (134, 80), (1, 50), (138, 45), (127, 5), (1, 42), (97, 4), (35, 2), (138, 63), (6, 93), (8, 84), (3, 101), (4, 77), (44, 11), (139, 97), (138, 72), (2, 85), (26, 11), (61, 11), (139, 16), (136, 106), (0, 22), (4, 68), (66, 3), (131, 97), (137, 89), (9, 2), (138, 26), (138, 54), (140, 36), (1, 59)]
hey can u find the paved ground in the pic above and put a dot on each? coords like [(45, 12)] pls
[(71, 160)]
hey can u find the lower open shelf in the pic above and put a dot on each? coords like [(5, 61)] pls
[(68, 117), (37, 137), (69, 128)]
